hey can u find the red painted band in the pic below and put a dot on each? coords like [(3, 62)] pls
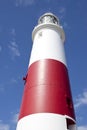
[(47, 89)]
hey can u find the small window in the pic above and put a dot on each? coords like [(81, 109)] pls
[(40, 34), (69, 102), (67, 123), (70, 124)]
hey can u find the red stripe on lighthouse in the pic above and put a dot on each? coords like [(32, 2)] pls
[(47, 89)]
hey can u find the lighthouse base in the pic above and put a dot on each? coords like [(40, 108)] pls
[(45, 121)]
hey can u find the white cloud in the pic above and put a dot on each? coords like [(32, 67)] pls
[(4, 126), (1, 88), (11, 123), (0, 48), (15, 118), (24, 2), (1, 121), (13, 32), (65, 25), (13, 80), (14, 49), (82, 128), (62, 12), (81, 100)]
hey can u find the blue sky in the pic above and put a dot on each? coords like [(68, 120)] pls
[(17, 20)]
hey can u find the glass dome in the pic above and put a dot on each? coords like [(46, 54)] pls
[(48, 18)]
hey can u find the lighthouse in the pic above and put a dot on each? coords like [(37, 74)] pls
[(47, 100)]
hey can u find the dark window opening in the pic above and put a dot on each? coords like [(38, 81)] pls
[(25, 79), (70, 124), (69, 102)]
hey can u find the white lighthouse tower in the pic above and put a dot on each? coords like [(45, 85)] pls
[(47, 102)]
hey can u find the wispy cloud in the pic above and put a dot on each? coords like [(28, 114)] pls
[(62, 15), (62, 12), (0, 48), (13, 32), (13, 81), (4, 126), (82, 128), (24, 2), (11, 122), (13, 47), (15, 118), (81, 100), (1, 88)]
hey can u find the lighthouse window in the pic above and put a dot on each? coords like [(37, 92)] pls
[(69, 103), (67, 123), (70, 125), (39, 34)]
